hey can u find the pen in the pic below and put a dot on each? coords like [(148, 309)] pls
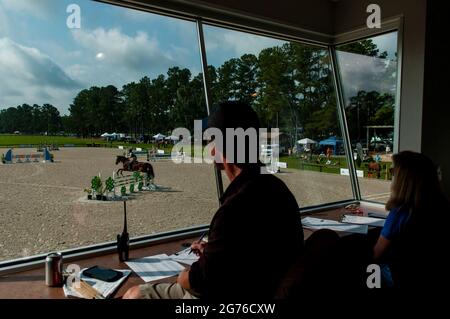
[(200, 239)]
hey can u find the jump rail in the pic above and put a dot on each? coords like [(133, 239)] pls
[(10, 158)]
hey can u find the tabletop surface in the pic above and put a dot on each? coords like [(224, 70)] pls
[(30, 284)]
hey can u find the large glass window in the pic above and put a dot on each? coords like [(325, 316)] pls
[(82, 84), (290, 87), (369, 78), (90, 84)]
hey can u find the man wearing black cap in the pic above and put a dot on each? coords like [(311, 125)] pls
[(256, 232)]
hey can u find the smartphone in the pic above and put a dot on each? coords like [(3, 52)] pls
[(104, 274)]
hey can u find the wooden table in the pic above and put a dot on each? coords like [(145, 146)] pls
[(30, 284)]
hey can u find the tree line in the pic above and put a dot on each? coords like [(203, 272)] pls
[(31, 119), (289, 86)]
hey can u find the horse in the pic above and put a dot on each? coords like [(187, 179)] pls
[(136, 167), (374, 167)]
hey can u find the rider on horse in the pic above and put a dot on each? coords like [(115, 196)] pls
[(134, 166), (133, 159)]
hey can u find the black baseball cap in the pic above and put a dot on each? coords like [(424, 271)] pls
[(233, 114)]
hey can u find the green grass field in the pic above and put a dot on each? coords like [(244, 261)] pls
[(17, 140), (338, 162), (8, 141), (297, 163)]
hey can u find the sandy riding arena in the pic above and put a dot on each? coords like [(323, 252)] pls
[(43, 206)]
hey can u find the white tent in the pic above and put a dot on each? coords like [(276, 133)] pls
[(106, 135), (159, 136), (306, 141), (172, 138)]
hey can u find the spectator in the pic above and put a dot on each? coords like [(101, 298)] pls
[(413, 240), (329, 152)]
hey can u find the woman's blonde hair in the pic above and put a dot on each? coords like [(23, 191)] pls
[(415, 183)]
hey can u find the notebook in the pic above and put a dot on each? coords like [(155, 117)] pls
[(103, 287)]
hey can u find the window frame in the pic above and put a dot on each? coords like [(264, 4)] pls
[(394, 24), (387, 26), (258, 27)]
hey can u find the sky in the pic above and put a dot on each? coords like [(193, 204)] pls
[(365, 73), (42, 60)]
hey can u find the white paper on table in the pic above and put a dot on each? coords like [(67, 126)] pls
[(103, 287), (363, 220), (184, 257), (377, 214), (155, 267), (318, 223)]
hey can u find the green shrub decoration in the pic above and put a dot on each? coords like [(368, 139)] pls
[(96, 184), (132, 188), (141, 182), (109, 184), (123, 191)]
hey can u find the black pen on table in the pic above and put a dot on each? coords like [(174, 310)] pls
[(200, 239)]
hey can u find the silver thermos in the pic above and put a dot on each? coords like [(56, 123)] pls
[(53, 270)]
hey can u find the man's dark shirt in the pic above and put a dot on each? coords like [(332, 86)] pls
[(253, 237)]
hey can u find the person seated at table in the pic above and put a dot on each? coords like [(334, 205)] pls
[(412, 240), (254, 236)]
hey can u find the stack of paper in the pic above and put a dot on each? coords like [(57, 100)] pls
[(363, 220), (377, 214), (317, 223), (155, 267), (103, 287)]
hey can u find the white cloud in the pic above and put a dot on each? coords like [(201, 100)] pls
[(29, 76), (38, 8), (238, 42), (179, 51), (54, 70), (365, 73), (78, 71), (138, 53)]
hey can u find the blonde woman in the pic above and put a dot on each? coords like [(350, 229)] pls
[(413, 240)]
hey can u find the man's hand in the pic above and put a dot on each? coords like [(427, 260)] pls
[(183, 279), (133, 293), (198, 247)]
